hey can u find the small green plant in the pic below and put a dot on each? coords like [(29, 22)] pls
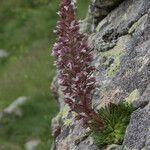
[(116, 118)]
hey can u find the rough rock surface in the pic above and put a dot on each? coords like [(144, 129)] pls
[(122, 56)]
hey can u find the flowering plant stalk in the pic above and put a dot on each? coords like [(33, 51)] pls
[(73, 61)]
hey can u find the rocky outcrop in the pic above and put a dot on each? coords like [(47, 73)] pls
[(32, 145), (3, 53), (14, 108), (121, 45)]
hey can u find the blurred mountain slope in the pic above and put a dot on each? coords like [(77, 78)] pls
[(26, 35)]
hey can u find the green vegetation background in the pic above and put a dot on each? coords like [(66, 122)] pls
[(26, 33)]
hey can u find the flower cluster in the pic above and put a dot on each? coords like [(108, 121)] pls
[(74, 59)]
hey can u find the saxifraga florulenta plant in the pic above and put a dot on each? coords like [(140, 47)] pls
[(73, 62), (75, 76)]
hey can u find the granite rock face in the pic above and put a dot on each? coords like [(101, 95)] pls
[(121, 45)]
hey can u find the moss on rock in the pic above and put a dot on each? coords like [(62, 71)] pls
[(116, 54), (132, 96), (136, 24)]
